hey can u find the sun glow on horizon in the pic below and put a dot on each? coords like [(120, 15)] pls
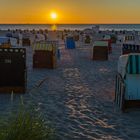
[(53, 15), (69, 12)]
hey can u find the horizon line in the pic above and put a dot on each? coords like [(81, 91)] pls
[(70, 23)]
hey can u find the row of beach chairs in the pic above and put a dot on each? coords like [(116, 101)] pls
[(127, 89)]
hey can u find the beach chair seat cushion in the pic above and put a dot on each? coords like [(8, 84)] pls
[(132, 87)]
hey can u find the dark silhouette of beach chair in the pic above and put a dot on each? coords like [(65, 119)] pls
[(13, 70)]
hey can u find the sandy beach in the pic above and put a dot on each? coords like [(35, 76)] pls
[(69, 70), (77, 97)]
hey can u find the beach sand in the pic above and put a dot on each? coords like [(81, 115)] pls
[(78, 97)]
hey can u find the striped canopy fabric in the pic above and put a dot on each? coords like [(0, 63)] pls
[(133, 66), (50, 46), (131, 47), (130, 37)]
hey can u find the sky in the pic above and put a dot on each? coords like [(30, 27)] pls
[(70, 11)]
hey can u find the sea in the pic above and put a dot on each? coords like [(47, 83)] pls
[(129, 27)]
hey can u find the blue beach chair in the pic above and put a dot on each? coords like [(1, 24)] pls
[(70, 43), (127, 92)]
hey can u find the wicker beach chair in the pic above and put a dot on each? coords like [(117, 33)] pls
[(70, 43), (130, 48), (45, 55), (100, 50), (127, 92), (13, 76)]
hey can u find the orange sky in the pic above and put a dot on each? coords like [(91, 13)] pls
[(70, 11)]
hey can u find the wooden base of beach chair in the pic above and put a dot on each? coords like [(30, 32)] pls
[(128, 52), (100, 53), (131, 104), (44, 59), (12, 90)]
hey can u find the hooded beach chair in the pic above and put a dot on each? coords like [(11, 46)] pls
[(70, 43), (130, 48), (100, 50), (127, 93), (13, 75), (44, 55)]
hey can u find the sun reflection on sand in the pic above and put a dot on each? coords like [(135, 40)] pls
[(54, 27)]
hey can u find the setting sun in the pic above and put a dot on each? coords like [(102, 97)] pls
[(53, 15)]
